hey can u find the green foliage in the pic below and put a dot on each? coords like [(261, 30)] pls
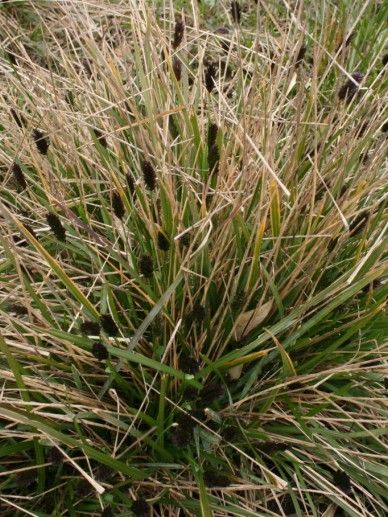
[(184, 207)]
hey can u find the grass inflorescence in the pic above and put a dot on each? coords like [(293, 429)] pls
[(200, 327)]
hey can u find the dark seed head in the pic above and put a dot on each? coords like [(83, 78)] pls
[(20, 240), (212, 136), (185, 239), (349, 89), (56, 226), (18, 175), (146, 267), (300, 56), (90, 328), (163, 242), (149, 175), (178, 33), (177, 68), (69, 97), (210, 74), (118, 205), (130, 183), (358, 224), (212, 391), (213, 155), (141, 508), (229, 433), (100, 137), (272, 447), (386, 383), (198, 312), (384, 127), (108, 325), (332, 243), (18, 309), (235, 11), (41, 140), (99, 351), (18, 118), (189, 365), (181, 436), (385, 59), (190, 393), (342, 481), (214, 478)]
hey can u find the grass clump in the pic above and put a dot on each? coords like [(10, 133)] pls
[(200, 327)]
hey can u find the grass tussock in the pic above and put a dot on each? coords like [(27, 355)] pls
[(193, 280)]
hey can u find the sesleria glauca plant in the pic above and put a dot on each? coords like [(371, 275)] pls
[(193, 222)]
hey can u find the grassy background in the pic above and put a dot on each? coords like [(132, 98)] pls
[(243, 368)]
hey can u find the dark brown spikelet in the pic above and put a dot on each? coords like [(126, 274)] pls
[(213, 155), (18, 175), (229, 433), (177, 68), (272, 447), (29, 229), (185, 239), (163, 242), (56, 226), (212, 391), (235, 11), (99, 351), (190, 393), (130, 183), (20, 240), (108, 325), (189, 364), (18, 118), (181, 437), (214, 478), (118, 205), (332, 243), (141, 508), (182, 434), (69, 98), (90, 328), (350, 89), (179, 31), (18, 309), (149, 175), (41, 140), (146, 266), (210, 75), (342, 481), (384, 60), (198, 313), (358, 224), (100, 137), (384, 127), (300, 56)]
